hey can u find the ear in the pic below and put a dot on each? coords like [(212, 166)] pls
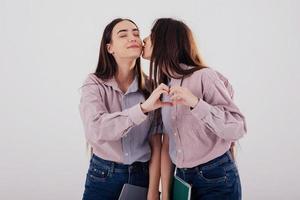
[(109, 48)]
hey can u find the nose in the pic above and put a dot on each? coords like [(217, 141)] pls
[(132, 40)]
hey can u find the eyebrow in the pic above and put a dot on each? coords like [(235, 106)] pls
[(126, 30)]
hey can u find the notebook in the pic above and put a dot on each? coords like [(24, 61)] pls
[(181, 190), (131, 192)]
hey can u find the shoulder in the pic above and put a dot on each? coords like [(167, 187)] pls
[(209, 74), (92, 79), (208, 77), (206, 74), (92, 85)]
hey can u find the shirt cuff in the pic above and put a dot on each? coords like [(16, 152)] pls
[(201, 110), (136, 114)]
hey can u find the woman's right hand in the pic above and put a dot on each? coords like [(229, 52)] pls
[(154, 102)]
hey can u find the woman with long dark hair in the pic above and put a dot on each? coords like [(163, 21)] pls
[(115, 108), (203, 123)]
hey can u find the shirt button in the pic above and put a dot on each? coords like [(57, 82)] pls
[(179, 150), (126, 154), (175, 133), (173, 117)]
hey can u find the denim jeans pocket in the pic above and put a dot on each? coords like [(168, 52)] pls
[(98, 173), (231, 172), (214, 175)]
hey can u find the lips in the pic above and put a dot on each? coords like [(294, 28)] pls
[(134, 46)]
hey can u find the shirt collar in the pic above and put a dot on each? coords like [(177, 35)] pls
[(113, 83)]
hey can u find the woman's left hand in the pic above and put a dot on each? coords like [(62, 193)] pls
[(181, 95)]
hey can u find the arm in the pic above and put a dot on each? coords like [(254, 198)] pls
[(218, 111), (154, 167), (166, 169), (99, 124)]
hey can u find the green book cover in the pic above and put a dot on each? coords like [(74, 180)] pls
[(181, 190)]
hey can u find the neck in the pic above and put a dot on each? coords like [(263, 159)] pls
[(125, 74)]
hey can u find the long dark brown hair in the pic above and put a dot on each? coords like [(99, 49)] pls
[(107, 65), (173, 44)]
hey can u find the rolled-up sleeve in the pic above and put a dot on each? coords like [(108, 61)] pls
[(99, 124), (217, 110)]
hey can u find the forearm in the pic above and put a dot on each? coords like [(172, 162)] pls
[(100, 125), (166, 169), (226, 121), (154, 167)]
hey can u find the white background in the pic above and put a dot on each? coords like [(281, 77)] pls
[(48, 47)]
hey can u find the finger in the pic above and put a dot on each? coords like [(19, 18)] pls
[(156, 94), (164, 86), (176, 102), (165, 104), (159, 90), (175, 97), (174, 89), (162, 92)]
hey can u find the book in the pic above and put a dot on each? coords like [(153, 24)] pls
[(132, 192), (181, 190)]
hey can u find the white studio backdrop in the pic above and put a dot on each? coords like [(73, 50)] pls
[(47, 48)]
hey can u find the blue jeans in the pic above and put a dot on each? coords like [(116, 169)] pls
[(214, 180), (105, 179)]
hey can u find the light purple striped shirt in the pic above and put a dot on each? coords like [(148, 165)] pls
[(205, 132), (114, 123)]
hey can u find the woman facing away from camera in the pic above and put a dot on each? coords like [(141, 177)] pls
[(203, 123), (115, 108)]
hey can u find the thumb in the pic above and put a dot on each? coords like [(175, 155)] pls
[(165, 104)]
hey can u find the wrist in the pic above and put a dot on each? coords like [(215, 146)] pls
[(194, 102), (144, 108)]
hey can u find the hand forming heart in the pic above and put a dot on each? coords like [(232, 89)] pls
[(178, 95)]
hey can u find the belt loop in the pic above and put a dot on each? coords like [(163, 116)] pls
[(130, 168), (182, 171), (197, 169), (112, 167), (92, 158)]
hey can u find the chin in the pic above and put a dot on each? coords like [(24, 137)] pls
[(134, 56)]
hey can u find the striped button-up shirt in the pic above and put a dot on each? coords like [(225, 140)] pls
[(113, 121), (205, 132)]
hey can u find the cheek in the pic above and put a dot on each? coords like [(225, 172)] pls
[(147, 53), (119, 48), (148, 50), (139, 40)]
